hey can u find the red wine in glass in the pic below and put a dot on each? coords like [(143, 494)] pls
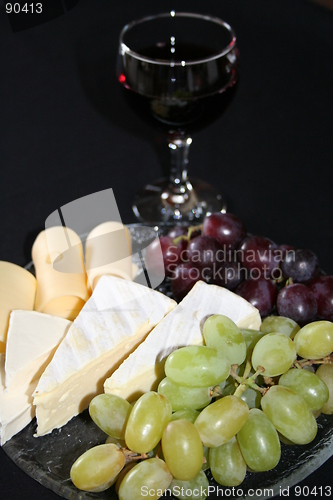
[(179, 72)]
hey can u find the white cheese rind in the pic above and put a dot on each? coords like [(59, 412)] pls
[(113, 322), (143, 369)]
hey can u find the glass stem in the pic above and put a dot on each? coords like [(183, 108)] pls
[(179, 194), (179, 151)]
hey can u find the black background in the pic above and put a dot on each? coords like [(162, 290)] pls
[(65, 132)]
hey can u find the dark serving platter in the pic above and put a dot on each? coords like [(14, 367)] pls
[(48, 459)]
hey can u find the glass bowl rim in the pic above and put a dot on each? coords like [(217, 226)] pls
[(163, 62)]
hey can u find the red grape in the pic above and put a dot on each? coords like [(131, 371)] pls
[(172, 254), (322, 289), (177, 231), (285, 248), (227, 229), (259, 255), (183, 279), (301, 265), (297, 302), (261, 293), (205, 251), (229, 275)]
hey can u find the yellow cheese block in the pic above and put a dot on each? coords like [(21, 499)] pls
[(61, 279), (17, 291), (108, 251)]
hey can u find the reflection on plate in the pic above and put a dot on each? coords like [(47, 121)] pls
[(48, 459)]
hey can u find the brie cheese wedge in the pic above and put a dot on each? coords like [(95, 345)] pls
[(113, 322), (144, 369), (31, 342), (16, 409)]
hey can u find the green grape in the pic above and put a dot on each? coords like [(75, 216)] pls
[(280, 324), (110, 413), (251, 397), (284, 440), (275, 352), (315, 340), (149, 478), (316, 413), (119, 442), (122, 474), (289, 414), (190, 415), (251, 337), (182, 449), (193, 489), (97, 469), (149, 416), (259, 442), (197, 366), (183, 398), (221, 333), (325, 373), (227, 464), (313, 390), (221, 420)]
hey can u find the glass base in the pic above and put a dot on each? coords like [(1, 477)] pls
[(156, 203)]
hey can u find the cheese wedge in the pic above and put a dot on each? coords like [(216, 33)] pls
[(16, 409), (17, 291), (61, 279), (144, 369), (31, 342), (113, 322)]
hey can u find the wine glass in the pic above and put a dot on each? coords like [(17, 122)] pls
[(179, 72)]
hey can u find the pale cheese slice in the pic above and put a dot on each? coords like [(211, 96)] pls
[(16, 409), (108, 251), (144, 369), (57, 255), (31, 343), (17, 291), (113, 322)]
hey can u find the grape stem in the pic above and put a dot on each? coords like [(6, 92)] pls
[(216, 392), (328, 360), (246, 381), (248, 367), (269, 381), (159, 451), (187, 236), (131, 455)]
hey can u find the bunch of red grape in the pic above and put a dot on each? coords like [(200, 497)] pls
[(274, 278)]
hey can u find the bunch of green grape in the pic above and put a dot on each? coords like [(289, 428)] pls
[(224, 406)]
